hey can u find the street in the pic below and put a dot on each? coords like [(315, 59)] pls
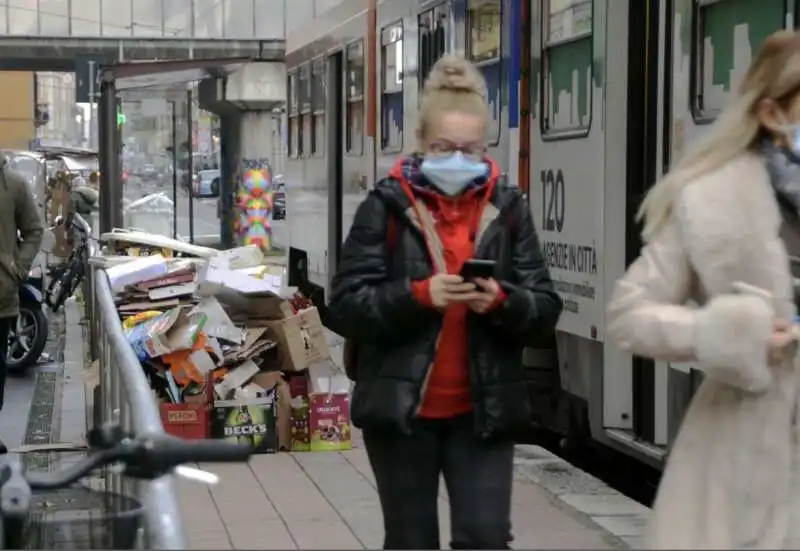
[(203, 209)]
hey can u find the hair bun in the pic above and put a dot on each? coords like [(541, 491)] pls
[(455, 74)]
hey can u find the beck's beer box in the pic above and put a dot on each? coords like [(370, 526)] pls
[(252, 421)]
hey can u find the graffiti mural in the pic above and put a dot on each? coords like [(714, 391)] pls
[(253, 207)]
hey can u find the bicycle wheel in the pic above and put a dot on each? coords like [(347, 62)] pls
[(62, 288), (82, 518)]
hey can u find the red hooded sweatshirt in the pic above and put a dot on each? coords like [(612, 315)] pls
[(447, 391)]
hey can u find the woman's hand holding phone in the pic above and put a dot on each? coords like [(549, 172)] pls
[(487, 296), (446, 289), (480, 294)]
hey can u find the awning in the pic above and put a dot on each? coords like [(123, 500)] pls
[(149, 74)]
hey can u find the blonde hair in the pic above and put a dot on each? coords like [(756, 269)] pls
[(774, 74), (454, 84)]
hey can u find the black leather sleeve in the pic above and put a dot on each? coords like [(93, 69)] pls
[(532, 302), (365, 302)]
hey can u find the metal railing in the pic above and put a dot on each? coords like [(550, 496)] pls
[(126, 398)]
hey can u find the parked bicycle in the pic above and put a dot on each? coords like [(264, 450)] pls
[(67, 276), (98, 519)]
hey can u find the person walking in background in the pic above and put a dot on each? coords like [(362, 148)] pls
[(21, 231), (439, 384), (717, 230)]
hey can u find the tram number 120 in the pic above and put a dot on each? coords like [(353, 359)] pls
[(552, 200)]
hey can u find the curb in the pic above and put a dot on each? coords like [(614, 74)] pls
[(73, 403), (615, 513)]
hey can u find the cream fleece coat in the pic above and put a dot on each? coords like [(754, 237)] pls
[(730, 482)]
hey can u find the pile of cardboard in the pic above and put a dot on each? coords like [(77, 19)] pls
[(231, 352)]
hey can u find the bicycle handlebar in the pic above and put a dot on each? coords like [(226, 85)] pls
[(146, 457)]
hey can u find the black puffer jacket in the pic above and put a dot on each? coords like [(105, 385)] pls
[(372, 304)]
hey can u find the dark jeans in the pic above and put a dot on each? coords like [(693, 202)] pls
[(478, 475), (5, 327)]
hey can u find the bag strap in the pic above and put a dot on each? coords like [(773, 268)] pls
[(428, 227)]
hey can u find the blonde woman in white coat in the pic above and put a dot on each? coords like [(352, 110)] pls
[(713, 287)]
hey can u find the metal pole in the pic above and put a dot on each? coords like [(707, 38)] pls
[(106, 126), (174, 170), (116, 190), (190, 146), (92, 102)]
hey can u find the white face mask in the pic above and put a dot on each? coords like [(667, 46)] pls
[(453, 172)]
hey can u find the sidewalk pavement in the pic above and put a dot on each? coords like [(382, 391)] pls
[(328, 500)]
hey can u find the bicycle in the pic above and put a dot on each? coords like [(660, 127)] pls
[(67, 276), (145, 457)]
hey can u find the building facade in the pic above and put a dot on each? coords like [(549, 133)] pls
[(16, 110)]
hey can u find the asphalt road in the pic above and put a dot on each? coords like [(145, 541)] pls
[(203, 212)]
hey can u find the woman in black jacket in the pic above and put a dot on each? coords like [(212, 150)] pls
[(440, 386)]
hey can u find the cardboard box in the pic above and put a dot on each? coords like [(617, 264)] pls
[(301, 340), (328, 408), (245, 296), (252, 421), (320, 410), (136, 271), (191, 419), (329, 422), (299, 437), (274, 379)]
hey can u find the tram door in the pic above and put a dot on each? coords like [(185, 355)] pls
[(642, 171)]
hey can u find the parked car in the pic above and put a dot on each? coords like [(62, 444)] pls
[(279, 201), (206, 184)]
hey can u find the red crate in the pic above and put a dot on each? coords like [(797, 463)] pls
[(191, 419)]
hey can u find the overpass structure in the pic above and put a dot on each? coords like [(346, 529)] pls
[(240, 77)]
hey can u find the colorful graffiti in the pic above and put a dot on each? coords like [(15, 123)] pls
[(253, 207)]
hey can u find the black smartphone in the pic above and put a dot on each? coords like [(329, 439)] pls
[(476, 267)]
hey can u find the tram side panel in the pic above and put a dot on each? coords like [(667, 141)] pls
[(311, 176), (566, 167)]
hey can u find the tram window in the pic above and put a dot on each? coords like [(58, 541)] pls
[(392, 88), (354, 99), (484, 25), (318, 108), (434, 33), (295, 139), (727, 33), (566, 66)]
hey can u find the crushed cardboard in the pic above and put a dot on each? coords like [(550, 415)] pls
[(228, 334)]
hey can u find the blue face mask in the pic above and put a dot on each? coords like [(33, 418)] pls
[(453, 172)]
